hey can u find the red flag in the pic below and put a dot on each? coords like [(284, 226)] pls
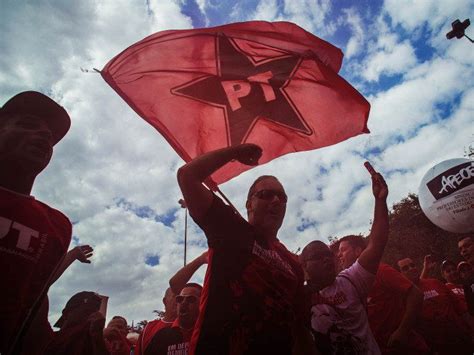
[(272, 84)]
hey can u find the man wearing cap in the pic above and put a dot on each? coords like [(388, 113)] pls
[(81, 327), (33, 236)]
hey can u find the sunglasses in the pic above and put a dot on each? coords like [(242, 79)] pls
[(268, 195), (188, 299)]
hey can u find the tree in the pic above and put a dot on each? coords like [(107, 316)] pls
[(413, 235)]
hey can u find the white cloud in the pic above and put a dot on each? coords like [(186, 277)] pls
[(390, 57), (413, 14), (110, 153), (356, 41)]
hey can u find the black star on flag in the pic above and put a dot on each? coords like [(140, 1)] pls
[(248, 90)]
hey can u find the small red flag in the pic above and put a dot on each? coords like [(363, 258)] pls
[(272, 84)]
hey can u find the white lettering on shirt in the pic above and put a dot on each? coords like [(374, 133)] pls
[(271, 257), (430, 294)]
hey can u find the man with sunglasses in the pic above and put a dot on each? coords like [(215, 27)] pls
[(444, 321), (254, 285), (175, 339), (338, 300)]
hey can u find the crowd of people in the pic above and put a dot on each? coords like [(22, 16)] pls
[(257, 297)]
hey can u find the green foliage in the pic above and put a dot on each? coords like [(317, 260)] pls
[(413, 235)]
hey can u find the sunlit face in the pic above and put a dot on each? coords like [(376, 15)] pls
[(266, 206), (409, 269), (187, 304), (466, 249), (318, 264), (25, 142), (348, 254), (450, 274)]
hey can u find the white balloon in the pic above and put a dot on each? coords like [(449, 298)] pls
[(446, 195)]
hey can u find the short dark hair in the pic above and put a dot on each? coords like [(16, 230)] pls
[(120, 317), (260, 178), (356, 241), (304, 252)]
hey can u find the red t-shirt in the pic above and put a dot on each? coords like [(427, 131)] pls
[(252, 292), (148, 333), (386, 307), (33, 239), (458, 291), (440, 320)]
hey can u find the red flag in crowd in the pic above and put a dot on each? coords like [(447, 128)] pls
[(272, 84)]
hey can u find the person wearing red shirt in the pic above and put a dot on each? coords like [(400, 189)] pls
[(444, 323), (254, 285), (177, 283), (153, 327), (175, 339), (33, 236), (466, 249), (450, 273), (392, 304)]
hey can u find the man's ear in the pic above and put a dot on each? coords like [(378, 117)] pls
[(248, 205)]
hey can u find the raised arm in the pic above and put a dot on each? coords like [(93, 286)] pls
[(413, 303), (184, 274), (378, 237), (192, 175), (81, 253), (428, 266)]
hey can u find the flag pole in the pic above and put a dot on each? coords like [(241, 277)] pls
[(211, 185), (183, 205)]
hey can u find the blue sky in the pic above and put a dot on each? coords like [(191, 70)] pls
[(115, 176)]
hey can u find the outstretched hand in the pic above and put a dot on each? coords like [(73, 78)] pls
[(83, 253), (429, 263), (248, 153), (379, 187)]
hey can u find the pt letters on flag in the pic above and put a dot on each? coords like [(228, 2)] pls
[(272, 84)]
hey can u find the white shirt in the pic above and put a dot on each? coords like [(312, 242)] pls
[(339, 316)]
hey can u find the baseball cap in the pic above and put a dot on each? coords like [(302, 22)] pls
[(40, 105), (86, 299)]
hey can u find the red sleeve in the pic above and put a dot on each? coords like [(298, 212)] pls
[(138, 348), (459, 306), (393, 280)]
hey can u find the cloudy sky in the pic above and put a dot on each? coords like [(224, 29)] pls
[(115, 176)]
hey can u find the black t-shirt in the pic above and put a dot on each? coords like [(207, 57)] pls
[(167, 341), (252, 292)]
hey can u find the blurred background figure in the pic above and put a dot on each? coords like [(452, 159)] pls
[(81, 327), (444, 321)]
